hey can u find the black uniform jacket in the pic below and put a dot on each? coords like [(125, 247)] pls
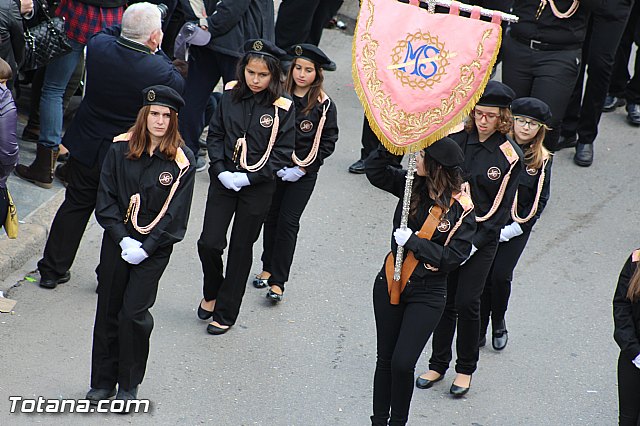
[(121, 178), (486, 166), (117, 71), (383, 174), (252, 119), (547, 27), (626, 315), (307, 126), (527, 190)]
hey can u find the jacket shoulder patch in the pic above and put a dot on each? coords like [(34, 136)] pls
[(181, 159), (230, 85), (283, 103), (123, 137), (464, 200), (635, 256), (509, 152)]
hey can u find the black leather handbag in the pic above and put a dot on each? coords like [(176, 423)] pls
[(45, 41)]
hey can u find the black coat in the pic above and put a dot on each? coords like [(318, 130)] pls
[(11, 35), (117, 72), (480, 160), (626, 315), (383, 173)]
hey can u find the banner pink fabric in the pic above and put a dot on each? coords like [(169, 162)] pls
[(419, 74)]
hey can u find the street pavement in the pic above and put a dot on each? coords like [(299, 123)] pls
[(310, 360)]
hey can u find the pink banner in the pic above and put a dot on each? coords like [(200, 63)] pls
[(419, 74)]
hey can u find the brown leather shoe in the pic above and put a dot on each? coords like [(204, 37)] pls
[(40, 172)]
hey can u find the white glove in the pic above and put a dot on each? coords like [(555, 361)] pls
[(636, 361), (402, 235), (510, 231), (240, 179), (281, 172), (134, 255), (227, 179), (128, 242), (291, 174), (473, 250)]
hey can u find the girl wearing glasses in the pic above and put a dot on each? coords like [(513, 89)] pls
[(529, 131), (493, 165)]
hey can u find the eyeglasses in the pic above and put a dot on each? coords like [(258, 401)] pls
[(535, 125), (489, 116)]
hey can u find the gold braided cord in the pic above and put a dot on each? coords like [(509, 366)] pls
[(534, 208), (561, 15), (135, 202), (407, 126), (499, 196), (241, 146), (316, 141)]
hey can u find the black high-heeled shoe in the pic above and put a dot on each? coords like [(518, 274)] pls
[(203, 314)]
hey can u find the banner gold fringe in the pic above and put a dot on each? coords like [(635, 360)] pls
[(440, 133)]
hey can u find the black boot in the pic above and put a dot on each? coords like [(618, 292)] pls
[(584, 154), (40, 172)]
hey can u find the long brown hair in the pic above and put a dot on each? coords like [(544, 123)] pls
[(140, 140), (504, 126), (315, 90), (537, 153), (439, 184), (633, 293)]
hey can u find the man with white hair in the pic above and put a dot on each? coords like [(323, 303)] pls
[(120, 64)]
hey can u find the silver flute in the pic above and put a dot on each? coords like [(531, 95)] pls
[(404, 218)]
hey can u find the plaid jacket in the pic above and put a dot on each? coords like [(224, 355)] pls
[(84, 20)]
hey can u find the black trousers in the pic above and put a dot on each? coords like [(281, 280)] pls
[(302, 21), (628, 392), (282, 225), (71, 219), (598, 56), (547, 75), (206, 68), (123, 323), (622, 84), (464, 288), (402, 333), (248, 208), (497, 288)]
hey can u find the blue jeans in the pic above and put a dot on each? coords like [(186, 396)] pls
[(56, 79)]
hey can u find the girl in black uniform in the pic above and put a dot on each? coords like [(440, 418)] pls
[(251, 136), (530, 116), (446, 223), (147, 178), (493, 165), (626, 319), (316, 136)]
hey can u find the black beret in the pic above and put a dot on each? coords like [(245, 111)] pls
[(312, 53), (497, 94), (263, 47), (446, 152), (162, 95), (533, 108)]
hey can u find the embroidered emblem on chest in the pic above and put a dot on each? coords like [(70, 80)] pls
[(444, 225), (494, 173), (165, 178), (266, 120), (532, 171), (306, 126)]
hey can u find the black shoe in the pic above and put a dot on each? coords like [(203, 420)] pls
[(584, 154), (482, 342), (30, 134), (357, 167), (96, 395), (125, 396), (274, 297), (53, 282), (500, 336), (260, 282), (611, 103), (633, 114), (566, 142), (459, 391), (203, 314), (214, 329), (425, 383), (61, 173)]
